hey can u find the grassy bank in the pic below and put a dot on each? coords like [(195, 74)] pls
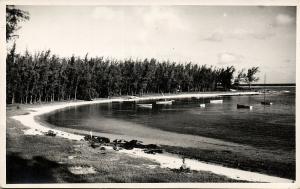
[(270, 166), (46, 159)]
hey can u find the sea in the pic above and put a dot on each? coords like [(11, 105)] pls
[(265, 126)]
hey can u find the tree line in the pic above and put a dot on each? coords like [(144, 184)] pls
[(43, 77)]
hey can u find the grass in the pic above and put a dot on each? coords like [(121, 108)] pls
[(46, 159), (271, 166)]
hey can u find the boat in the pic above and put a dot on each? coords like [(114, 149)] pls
[(202, 105), (144, 105), (165, 102), (216, 101), (241, 106), (265, 102)]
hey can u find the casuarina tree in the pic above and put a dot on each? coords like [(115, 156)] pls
[(250, 76)]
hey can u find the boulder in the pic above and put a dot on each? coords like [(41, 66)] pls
[(153, 151), (50, 133)]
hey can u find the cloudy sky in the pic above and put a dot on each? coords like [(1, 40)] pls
[(242, 36)]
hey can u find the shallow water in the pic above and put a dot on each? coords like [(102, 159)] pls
[(270, 127)]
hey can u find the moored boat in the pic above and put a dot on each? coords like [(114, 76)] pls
[(241, 106), (266, 103), (144, 105), (216, 101), (202, 105), (166, 102)]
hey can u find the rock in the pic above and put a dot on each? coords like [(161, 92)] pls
[(96, 139), (153, 151), (115, 148), (119, 141), (94, 145), (102, 148), (102, 139), (50, 133), (130, 145), (151, 146)]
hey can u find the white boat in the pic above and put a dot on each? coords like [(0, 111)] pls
[(144, 105), (202, 105), (239, 106), (166, 102), (216, 101)]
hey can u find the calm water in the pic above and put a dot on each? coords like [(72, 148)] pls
[(271, 127)]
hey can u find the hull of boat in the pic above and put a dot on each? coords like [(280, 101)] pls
[(266, 103), (240, 106), (165, 102), (216, 101), (144, 105)]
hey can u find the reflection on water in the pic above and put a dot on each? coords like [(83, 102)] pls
[(264, 126)]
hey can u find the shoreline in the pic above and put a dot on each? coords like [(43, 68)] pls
[(36, 127)]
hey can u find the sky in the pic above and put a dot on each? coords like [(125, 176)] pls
[(242, 36)]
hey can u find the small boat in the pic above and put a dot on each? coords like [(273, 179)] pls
[(165, 102), (216, 101), (240, 106), (202, 105), (266, 103), (144, 105)]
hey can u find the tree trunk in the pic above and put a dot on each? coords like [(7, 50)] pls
[(40, 97), (13, 98), (75, 94), (52, 97)]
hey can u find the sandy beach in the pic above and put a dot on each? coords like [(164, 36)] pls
[(35, 127), (165, 160)]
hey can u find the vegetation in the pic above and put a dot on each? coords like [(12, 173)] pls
[(256, 162), (45, 77), (13, 17)]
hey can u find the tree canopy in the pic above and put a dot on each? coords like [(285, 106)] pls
[(250, 75), (13, 17), (44, 77)]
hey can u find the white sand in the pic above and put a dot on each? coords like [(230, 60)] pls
[(174, 162), (166, 160)]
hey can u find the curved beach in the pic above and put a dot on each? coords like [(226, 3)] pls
[(165, 160)]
